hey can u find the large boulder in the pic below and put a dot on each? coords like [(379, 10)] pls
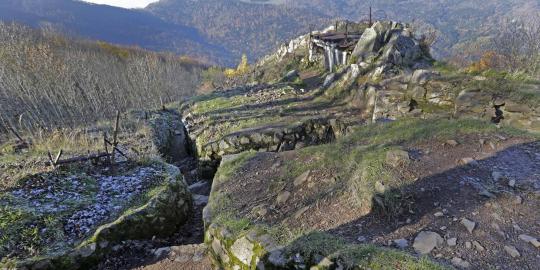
[(390, 43), (367, 45), (168, 133)]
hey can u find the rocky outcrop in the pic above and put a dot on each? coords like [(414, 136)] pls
[(168, 133), (390, 43)]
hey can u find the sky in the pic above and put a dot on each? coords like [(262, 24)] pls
[(124, 3)]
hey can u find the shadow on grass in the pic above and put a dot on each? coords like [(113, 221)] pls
[(458, 190)]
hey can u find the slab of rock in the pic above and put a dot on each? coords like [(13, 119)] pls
[(469, 224), (426, 241), (283, 197), (451, 242), (529, 239), (242, 249), (460, 263), (512, 251), (397, 157), (301, 179)]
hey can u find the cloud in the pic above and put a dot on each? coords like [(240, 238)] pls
[(123, 3)]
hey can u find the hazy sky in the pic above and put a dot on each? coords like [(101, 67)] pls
[(124, 3)]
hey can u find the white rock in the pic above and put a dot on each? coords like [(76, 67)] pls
[(452, 242), (242, 249)]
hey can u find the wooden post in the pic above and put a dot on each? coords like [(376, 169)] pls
[(51, 159), (115, 136), (370, 18), (105, 142), (58, 156)]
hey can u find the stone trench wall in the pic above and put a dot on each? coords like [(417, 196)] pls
[(392, 100), (254, 249), (276, 139)]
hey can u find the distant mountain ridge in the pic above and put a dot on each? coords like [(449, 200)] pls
[(111, 24), (221, 31)]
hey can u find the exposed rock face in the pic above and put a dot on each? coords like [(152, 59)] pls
[(390, 43), (275, 138)]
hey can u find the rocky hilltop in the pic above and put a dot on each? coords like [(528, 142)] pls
[(387, 160)]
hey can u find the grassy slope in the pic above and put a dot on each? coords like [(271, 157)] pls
[(361, 153)]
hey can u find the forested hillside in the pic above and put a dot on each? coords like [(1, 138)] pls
[(111, 24), (50, 81), (462, 26), (220, 31)]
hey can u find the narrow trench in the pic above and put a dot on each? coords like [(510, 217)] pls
[(136, 254)]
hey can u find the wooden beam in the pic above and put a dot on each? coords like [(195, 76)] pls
[(78, 159), (58, 156)]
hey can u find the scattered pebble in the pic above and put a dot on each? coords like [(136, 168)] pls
[(529, 239), (458, 262), (469, 225), (478, 246), (452, 142), (361, 239), (401, 243), (512, 251)]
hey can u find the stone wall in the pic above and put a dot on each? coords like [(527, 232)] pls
[(276, 138)]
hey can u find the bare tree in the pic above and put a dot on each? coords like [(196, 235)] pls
[(518, 45), (49, 81)]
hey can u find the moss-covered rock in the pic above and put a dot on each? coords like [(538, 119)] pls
[(160, 212)]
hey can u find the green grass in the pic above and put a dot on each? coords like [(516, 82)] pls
[(355, 256), (228, 169), (221, 103)]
